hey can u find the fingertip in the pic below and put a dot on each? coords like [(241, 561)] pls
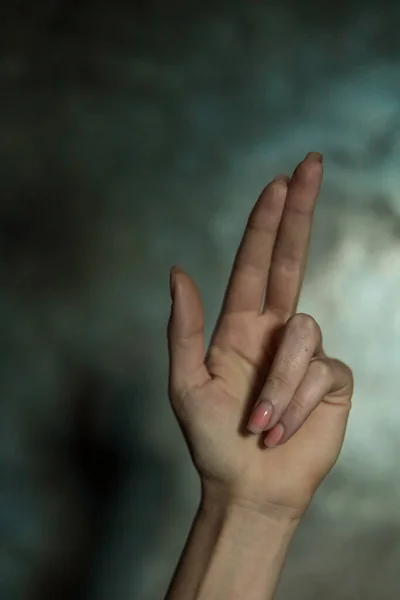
[(260, 417), (315, 157), (175, 269), (172, 281), (175, 279), (275, 436), (309, 170), (281, 178)]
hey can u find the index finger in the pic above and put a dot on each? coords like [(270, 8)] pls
[(290, 253)]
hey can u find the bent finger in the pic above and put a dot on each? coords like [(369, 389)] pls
[(302, 339), (325, 381)]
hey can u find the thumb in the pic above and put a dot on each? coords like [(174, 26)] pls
[(185, 335)]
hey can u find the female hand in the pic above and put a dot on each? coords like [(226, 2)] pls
[(264, 412)]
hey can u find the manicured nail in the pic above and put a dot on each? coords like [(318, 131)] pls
[(260, 417), (274, 436), (172, 273), (317, 156), (281, 177)]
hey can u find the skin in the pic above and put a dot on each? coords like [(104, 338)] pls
[(264, 410)]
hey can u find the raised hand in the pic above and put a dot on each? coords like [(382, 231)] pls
[(264, 411)]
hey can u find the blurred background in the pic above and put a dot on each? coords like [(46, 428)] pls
[(138, 135)]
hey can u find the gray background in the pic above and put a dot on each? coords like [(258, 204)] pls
[(138, 136)]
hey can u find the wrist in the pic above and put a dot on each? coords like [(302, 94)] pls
[(217, 502), (248, 546), (235, 550)]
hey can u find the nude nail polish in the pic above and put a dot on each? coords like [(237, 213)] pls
[(274, 436), (317, 156), (281, 178), (172, 281), (260, 417)]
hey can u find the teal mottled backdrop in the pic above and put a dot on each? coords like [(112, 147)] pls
[(136, 136)]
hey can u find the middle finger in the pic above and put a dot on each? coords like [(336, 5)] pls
[(291, 248)]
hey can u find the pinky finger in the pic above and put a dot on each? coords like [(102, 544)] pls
[(318, 381)]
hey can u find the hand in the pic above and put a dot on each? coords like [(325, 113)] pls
[(264, 412)]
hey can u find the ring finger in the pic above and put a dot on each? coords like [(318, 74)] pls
[(301, 341), (317, 383)]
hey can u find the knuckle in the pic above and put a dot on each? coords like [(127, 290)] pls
[(321, 370), (278, 381), (298, 407), (306, 326), (350, 379), (346, 376), (348, 373)]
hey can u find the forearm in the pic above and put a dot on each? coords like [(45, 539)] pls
[(232, 553)]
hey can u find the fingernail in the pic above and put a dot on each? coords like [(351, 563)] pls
[(274, 436), (281, 177), (172, 273), (260, 417), (317, 156)]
